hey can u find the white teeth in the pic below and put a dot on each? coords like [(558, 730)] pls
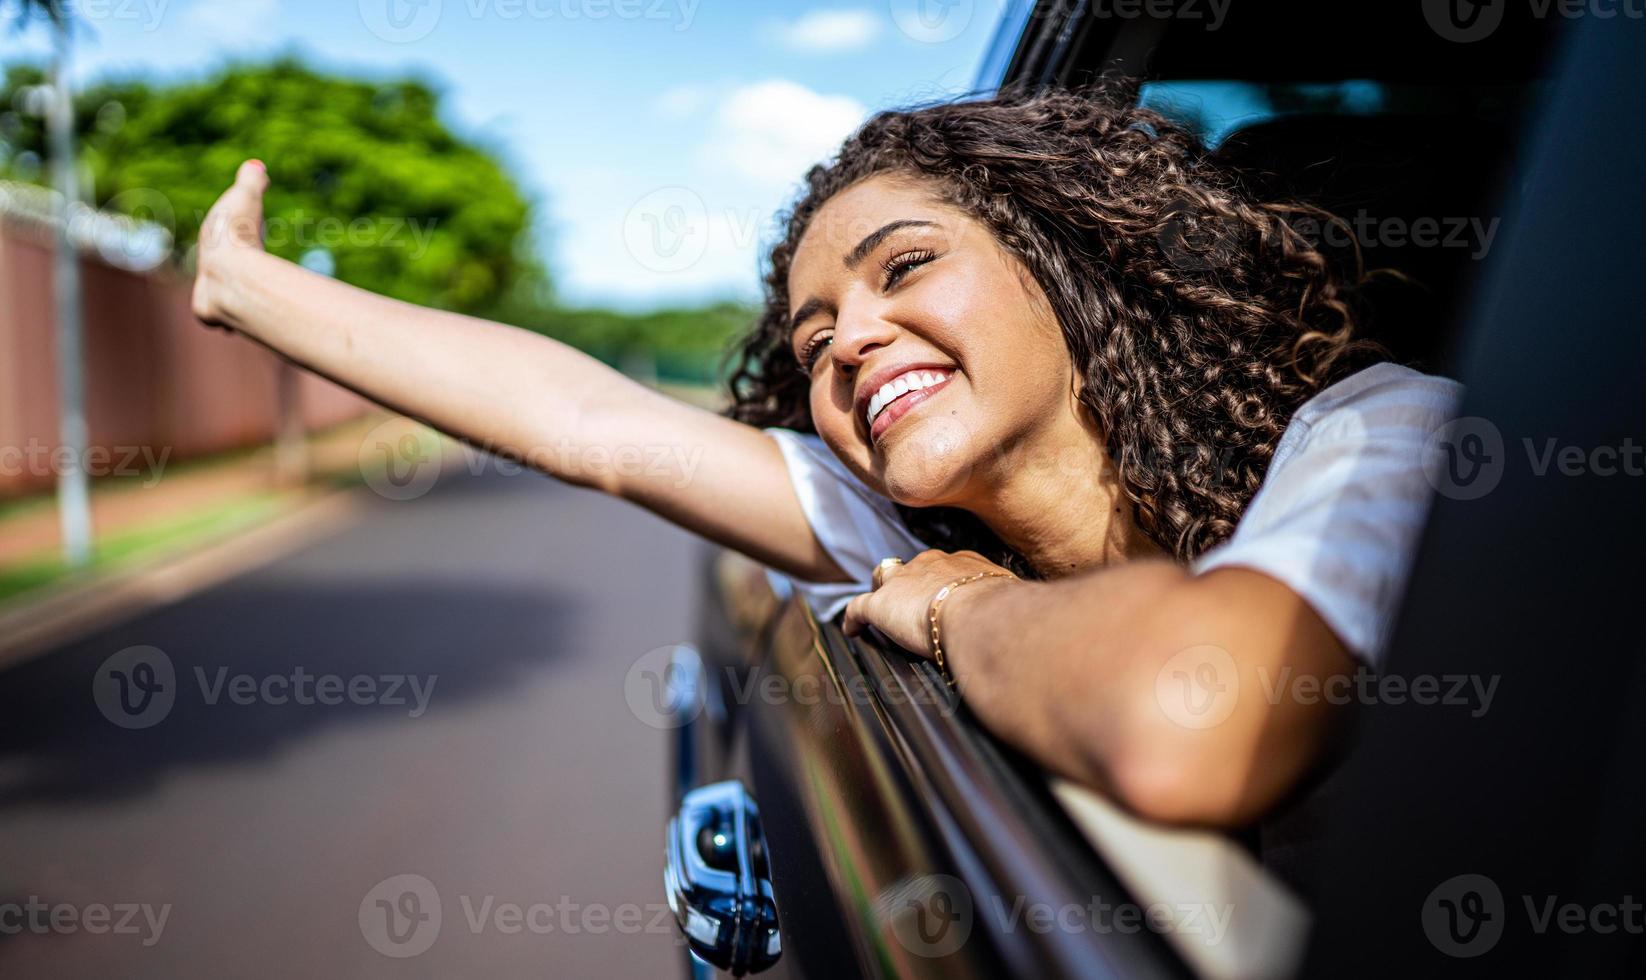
[(897, 387)]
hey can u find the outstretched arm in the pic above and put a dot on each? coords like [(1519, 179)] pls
[(509, 391)]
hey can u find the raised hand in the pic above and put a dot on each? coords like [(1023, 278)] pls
[(233, 227)]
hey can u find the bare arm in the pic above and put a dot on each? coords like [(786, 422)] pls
[(1183, 696), (509, 391), (1192, 699)]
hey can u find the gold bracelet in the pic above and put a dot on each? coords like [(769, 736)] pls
[(937, 605)]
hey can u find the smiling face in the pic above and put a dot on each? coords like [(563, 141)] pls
[(890, 286)]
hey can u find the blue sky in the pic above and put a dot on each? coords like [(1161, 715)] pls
[(659, 136)]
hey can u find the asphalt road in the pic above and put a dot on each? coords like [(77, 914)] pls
[(480, 773)]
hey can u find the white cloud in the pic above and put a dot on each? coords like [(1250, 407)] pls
[(683, 101), (755, 145), (772, 131), (830, 30), (597, 265), (234, 22)]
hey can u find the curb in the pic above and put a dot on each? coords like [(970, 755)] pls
[(65, 614)]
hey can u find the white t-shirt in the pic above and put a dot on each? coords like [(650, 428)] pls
[(1336, 518)]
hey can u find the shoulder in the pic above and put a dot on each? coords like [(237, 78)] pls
[(809, 448), (854, 524), (1389, 399), (1385, 383), (816, 470), (1374, 425), (1338, 513)]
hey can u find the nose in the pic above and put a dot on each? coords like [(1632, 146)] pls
[(860, 329)]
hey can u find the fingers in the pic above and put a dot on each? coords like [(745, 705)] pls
[(855, 619), (884, 571)]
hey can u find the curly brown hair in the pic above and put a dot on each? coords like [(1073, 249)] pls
[(1197, 316)]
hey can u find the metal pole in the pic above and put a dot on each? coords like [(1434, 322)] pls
[(291, 447), (73, 494)]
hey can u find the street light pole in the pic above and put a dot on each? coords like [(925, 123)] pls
[(73, 493)]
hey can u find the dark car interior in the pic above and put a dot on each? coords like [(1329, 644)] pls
[(1355, 107)]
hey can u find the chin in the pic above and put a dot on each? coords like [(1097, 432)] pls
[(929, 463)]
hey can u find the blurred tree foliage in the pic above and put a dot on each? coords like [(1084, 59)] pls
[(364, 173), (686, 345)]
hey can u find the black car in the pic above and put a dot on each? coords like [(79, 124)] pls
[(1489, 152)]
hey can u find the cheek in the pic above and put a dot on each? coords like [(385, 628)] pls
[(1018, 366), (834, 424), (1003, 329), (1042, 360)]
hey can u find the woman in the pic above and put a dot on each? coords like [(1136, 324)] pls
[(1103, 405)]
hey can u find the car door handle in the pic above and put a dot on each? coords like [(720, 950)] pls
[(718, 883)]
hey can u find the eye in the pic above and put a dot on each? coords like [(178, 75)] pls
[(814, 349), (899, 265)]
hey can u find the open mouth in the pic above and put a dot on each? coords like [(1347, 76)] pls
[(902, 395)]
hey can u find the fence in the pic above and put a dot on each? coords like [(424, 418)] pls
[(154, 376)]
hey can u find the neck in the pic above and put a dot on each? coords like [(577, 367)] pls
[(1056, 500)]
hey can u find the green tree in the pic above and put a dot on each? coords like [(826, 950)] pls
[(363, 170), (680, 344), (366, 178)]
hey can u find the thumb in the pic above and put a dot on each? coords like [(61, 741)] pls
[(237, 217), (253, 176)]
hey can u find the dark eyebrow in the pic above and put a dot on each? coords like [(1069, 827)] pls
[(807, 310), (874, 238), (811, 307)]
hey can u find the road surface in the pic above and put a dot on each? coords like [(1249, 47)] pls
[(476, 799)]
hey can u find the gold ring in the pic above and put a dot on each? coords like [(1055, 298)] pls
[(886, 564)]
